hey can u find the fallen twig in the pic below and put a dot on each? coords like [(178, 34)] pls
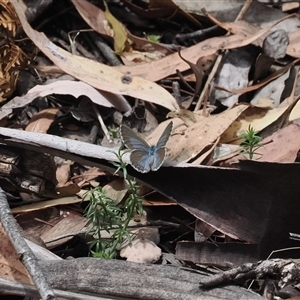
[(26, 256)]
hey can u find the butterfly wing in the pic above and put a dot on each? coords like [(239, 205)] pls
[(165, 136), (144, 161), (132, 141), (157, 159), (145, 158), (140, 161)]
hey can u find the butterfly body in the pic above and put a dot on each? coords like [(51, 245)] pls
[(144, 157)]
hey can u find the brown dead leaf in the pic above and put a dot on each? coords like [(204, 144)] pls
[(46, 204), (63, 87), (92, 15), (35, 223), (166, 66), (133, 57), (68, 189), (97, 75), (247, 29), (144, 45), (264, 103), (201, 134), (63, 172), (258, 117), (244, 28), (187, 116), (88, 176), (10, 264), (71, 224), (285, 7), (208, 150), (281, 147), (199, 73), (42, 121), (116, 190), (65, 187)]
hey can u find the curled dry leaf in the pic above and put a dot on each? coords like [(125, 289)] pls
[(96, 74), (201, 134), (258, 117), (63, 172), (42, 121), (75, 88)]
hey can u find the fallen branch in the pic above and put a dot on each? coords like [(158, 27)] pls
[(26, 256)]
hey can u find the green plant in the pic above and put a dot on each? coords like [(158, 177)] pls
[(105, 214), (153, 38), (113, 131), (251, 142)]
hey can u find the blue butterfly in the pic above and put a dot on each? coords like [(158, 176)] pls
[(144, 157)]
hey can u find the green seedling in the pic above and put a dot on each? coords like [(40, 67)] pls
[(105, 214), (251, 142), (153, 38), (113, 132)]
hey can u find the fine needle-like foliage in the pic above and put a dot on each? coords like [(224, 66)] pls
[(105, 214), (251, 142)]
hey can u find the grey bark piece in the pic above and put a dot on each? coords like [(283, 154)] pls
[(233, 75), (275, 44), (134, 281)]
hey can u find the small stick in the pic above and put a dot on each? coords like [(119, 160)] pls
[(26, 256)]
